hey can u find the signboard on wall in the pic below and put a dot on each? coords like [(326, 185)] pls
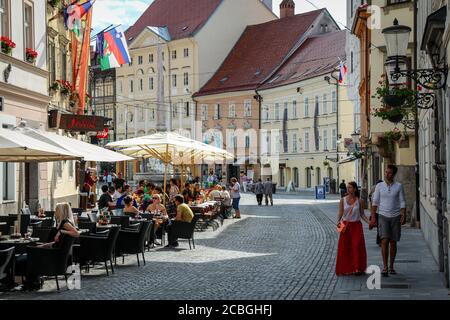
[(77, 123)]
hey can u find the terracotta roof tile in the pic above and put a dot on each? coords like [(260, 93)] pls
[(318, 55), (259, 50), (182, 17)]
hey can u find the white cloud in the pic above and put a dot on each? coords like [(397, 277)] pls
[(124, 12)]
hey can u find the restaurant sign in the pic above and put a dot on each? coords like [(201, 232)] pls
[(77, 123), (103, 134)]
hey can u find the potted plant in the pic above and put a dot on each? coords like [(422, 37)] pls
[(394, 115), (7, 45), (394, 96), (31, 55), (55, 86), (394, 135), (65, 87)]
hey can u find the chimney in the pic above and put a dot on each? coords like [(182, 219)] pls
[(287, 8), (268, 4)]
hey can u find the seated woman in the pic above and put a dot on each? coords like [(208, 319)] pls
[(197, 191), (157, 207), (64, 226), (129, 209), (187, 193)]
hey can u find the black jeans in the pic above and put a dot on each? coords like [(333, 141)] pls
[(259, 198)]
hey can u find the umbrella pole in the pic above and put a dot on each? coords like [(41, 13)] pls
[(165, 174)]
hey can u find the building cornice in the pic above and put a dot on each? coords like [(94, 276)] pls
[(52, 33), (23, 65), (22, 93)]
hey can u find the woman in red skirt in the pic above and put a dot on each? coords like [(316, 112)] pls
[(351, 255)]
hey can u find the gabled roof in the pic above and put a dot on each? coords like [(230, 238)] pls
[(259, 50), (183, 18), (318, 55)]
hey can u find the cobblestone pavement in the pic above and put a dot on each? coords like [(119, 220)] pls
[(283, 252)]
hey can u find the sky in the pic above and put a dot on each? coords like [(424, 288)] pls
[(125, 12)]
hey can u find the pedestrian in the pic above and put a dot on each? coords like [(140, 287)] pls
[(343, 188), (236, 197), (268, 192), (389, 200), (244, 181), (109, 179), (378, 240), (259, 191), (351, 255)]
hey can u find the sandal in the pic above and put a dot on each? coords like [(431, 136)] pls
[(392, 271), (385, 273)]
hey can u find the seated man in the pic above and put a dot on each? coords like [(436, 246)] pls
[(106, 200), (184, 215), (215, 193)]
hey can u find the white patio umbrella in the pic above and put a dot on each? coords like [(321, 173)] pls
[(87, 151), (17, 147), (169, 148)]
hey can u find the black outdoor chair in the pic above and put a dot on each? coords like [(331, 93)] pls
[(48, 223), (98, 248), (45, 234), (78, 211), (6, 268), (184, 230), (50, 214), (4, 228), (92, 217), (133, 242), (88, 225), (52, 262)]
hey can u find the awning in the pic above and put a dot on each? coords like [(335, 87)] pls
[(434, 29), (17, 147), (87, 151)]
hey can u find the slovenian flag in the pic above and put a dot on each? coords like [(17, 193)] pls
[(114, 51), (73, 14), (342, 72)]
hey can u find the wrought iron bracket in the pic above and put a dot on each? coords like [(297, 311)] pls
[(432, 79), (409, 123), (425, 100)]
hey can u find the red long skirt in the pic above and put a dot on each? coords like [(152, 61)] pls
[(351, 255)]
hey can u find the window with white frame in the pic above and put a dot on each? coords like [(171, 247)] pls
[(232, 110), (150, 58), (277, 111), (186, 109), (306, 108), (4, 18), (306, 142), (140, 60), (186, 78), (247, 108), (141, 84), (150, 83), (333, 102), (317, 106), (325, 139), (186, 52), (325, 104), (294, 109), (8, 184), (174, 110), (247, 141), (174, 54), (131, 86), (204, 112), (152, 113), (266, 112), (120, 86), (286, 111), (28, 24), (141, 114), (174, 81), (217, 111), (294, 142), (333, 139)]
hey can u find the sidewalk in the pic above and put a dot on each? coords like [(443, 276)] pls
[(417, 278)]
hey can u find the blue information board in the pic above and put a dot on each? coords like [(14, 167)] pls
[(320, 192)]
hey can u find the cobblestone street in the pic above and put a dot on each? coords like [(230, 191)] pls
[(283, 252)]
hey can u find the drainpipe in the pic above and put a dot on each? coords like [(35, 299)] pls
[(259, 98), (416, 129)]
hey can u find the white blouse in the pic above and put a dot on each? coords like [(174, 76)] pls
[(356, 214)]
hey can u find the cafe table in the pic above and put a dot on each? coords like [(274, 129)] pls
[(20, 244), (106, 226)]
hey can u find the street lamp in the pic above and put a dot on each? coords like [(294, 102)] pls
[(397, 39)]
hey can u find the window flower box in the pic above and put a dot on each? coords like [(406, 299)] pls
[(31, 55), (7, 45)]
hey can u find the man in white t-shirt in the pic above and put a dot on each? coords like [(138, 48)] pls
[(389, 200)]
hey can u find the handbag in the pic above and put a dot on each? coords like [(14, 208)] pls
[(342, 226)]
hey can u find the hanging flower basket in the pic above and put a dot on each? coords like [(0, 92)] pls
[(393, 100), (65, 87), (394, 115), (326, 163), (31, 55), (7, 45), (55, 86)]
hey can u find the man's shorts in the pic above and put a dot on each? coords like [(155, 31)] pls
[(389, 228)]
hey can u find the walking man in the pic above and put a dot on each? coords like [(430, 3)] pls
[(343, 189), (259, 191), (389, 200), (268, 192)]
